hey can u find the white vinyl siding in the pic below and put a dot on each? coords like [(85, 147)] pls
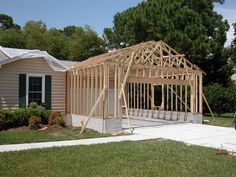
[(9, 82)]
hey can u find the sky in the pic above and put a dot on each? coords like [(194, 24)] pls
[(96, 13)]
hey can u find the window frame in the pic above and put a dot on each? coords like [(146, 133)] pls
[(27, 86)]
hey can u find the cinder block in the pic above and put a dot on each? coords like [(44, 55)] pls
[(155, 114), (181, 116), (150, 114), (168, 115), (161, 114), (145, 113)]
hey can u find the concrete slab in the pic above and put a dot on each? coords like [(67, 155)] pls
[(140, 123)]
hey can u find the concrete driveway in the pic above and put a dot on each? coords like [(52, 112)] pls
[(197, 134)]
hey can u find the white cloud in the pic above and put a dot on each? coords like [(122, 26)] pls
[(230, 15)]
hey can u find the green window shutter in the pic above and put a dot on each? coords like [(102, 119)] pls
[(48, 91), (22, 90)]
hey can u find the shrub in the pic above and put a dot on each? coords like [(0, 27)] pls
[(60, 121), (21, 117), (8, 117), (44, 114), (34, 122), (231, 91), (52, 118), (33, 105), (221, 99), (56, 119), (2, 121)]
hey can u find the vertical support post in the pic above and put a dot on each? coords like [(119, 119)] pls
[(106, 85), (92, 88), (138, 94), (162, 90), (167, 94), (131, 95), (77, 93), (192, 93), (119, 87), (84, 92), (181, 94), (163, 97), (115, 89), (148, 99), (135, 101), (71, 91), (141, 96), (144, 91), (101, 83), (128, 95), (96, 88), (186, 94), (196, 93), (152, 99), (68, 75), (88, 93), (200, 93), (167, 97), (176, 98), (144, 96), (171, 100)]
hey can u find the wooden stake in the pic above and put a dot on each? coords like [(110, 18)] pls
[(126, 108), (93, 109), (208, 106)]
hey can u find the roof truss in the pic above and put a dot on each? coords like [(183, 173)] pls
[(157, 54)]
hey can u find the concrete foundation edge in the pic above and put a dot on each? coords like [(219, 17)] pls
[(110, 125)]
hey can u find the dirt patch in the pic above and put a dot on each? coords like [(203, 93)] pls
[(18, 129), (43, 128), (51, 128)]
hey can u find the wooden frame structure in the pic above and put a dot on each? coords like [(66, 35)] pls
[(150, 75)]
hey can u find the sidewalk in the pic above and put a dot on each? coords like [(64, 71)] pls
[(196, 134)]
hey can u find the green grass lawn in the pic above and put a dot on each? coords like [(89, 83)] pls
[(26, 135), (226, 120), (142, 158)]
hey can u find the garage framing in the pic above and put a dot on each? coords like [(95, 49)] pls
[(147, 76)]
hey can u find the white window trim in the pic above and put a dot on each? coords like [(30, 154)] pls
[(27, 86)]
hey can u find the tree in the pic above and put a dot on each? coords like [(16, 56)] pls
[(71, 43), (34, 35), (233, 46), (10, 33), (69, 30), (85, 43), (6, 22), (12, 38), (191, 27), (56, 43)]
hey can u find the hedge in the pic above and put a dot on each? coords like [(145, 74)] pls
[(20, 117), (220, 99)]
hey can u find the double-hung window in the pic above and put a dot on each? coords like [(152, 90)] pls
[(35, 85)]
